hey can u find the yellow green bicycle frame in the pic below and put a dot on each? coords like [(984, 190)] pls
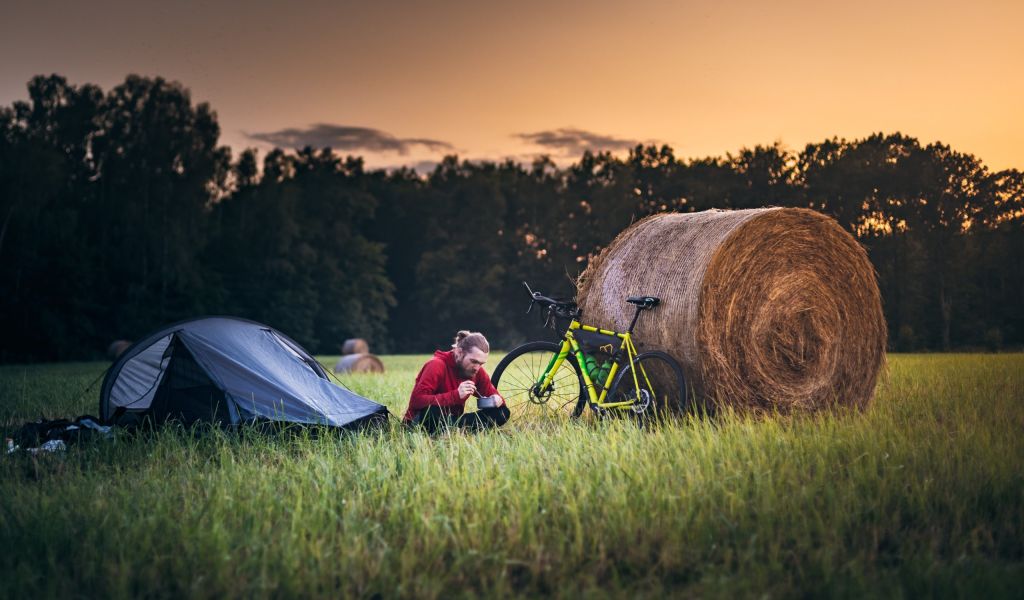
[(569, 344)]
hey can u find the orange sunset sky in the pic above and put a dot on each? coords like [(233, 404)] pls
[(407, 83)]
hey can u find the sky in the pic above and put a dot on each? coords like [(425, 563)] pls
[(406, 83)]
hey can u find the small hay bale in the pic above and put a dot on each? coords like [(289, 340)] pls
[(355, 346), (359, 363), (117, 348), (766, 310)]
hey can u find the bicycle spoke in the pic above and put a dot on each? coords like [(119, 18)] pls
[(658, 386), (519, 379)]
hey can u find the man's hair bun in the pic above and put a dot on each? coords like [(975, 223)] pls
[(467, 340)]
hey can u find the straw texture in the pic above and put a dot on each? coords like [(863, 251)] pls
[(359, 363), (355, 346), (767, 310)]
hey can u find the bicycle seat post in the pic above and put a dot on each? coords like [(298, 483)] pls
[(636, 316)]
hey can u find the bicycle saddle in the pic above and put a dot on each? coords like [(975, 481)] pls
[(644, 301)]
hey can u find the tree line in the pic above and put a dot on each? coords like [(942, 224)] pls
[(119, 212)]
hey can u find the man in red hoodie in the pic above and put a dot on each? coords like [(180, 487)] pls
[(444, 384)]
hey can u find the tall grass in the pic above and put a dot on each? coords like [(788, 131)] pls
[(923, 494)]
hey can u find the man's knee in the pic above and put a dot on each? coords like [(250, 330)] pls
[(431, 418), (499, 415)]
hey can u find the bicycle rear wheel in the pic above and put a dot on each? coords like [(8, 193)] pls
[(661, 386), (516, 377)]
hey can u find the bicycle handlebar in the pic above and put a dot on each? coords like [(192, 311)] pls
[(555, 308), (537, 297)]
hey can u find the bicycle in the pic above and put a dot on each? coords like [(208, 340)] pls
[(564, 377)]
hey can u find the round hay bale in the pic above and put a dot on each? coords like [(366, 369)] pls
[(355, 346), (359, 363), (116, 348), (767, 310)]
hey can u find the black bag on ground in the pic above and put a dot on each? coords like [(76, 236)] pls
[(32, 435)]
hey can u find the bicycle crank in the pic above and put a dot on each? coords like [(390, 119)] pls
[(641, 404)]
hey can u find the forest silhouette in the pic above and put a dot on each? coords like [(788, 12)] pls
[(119, 212)]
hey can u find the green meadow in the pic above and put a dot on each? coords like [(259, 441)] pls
[(920, 495)]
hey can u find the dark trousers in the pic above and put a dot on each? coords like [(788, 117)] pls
[(433, 420)]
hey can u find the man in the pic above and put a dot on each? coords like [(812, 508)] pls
[(444, 384)]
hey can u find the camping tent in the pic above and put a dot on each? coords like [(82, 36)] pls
[(226, 370)]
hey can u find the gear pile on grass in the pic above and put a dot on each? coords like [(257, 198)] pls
[(767, 310)]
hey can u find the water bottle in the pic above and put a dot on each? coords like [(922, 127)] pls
[(591, 366), (602, 372)]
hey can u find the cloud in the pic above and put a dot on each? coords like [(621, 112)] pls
[(426, 166), (347, 139), (422, 167), (572, 142)]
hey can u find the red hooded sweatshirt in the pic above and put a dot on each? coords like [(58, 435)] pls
[(438, 385)]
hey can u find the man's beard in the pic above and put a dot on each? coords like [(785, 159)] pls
[(465, 372)]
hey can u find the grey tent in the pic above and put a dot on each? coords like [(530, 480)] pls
[(226, 370)]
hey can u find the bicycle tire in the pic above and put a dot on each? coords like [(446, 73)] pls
[(663, 390), (522, 367)]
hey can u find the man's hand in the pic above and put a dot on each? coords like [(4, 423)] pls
[(466, 389)]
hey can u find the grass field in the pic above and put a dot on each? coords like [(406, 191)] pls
[(922, 495)]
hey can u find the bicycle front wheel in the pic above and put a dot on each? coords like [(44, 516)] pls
[(516, 378), (659, 386)]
